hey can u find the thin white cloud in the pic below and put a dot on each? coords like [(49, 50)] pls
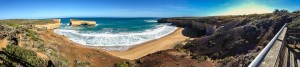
[(246, 8)]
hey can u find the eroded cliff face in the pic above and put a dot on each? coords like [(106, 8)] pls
[(74, 22), (54, 25), (207, 24)]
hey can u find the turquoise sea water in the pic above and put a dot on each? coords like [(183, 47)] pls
[(121, 32)]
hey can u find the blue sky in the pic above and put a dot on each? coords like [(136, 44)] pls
[(36, 9)]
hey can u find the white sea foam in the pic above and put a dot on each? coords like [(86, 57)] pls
[(150, 20), (62, 24), (65, 24), (116, 39)]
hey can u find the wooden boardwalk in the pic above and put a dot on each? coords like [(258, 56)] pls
[(285, 51), (292, 49)]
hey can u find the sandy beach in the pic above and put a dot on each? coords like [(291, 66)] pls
[(166, 42)]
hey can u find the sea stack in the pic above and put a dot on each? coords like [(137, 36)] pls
[(74, 22)]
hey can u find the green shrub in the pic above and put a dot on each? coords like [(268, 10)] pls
[(201, 58), (25, 56), (79, 63), (6, 60), (39, 43), (13, 24), (30, 33), (295, 24), (9, 23), (296, 12), (125, 64)]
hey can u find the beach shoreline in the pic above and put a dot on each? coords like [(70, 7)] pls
[(135, 45), (126, 48), (143, 49), (139, 50)]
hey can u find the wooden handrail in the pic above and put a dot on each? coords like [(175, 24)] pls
[(259, 58)]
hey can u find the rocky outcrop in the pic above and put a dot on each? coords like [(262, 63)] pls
[(74, 22), (3, 43), (54, 25)]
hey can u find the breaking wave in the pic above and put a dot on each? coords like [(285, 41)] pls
[(150, 20), (93, 38)]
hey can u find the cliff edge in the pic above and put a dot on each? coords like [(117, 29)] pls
[(54, 25)]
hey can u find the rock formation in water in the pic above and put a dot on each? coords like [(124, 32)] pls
[(74, 22)]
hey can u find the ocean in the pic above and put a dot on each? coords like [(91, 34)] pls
[(117, 33)]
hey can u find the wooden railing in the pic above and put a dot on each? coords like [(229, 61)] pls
[(260, 57)]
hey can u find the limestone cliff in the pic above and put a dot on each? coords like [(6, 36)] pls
[(197, 24), (74, 22), (55, 24)]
